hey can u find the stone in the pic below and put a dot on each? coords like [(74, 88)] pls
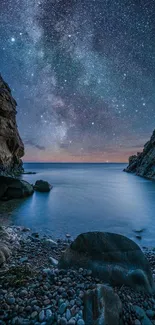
[(113, 258), (68, 314), (62, 308), (48, 314), (41, 316), (63, 321), (11, 300), (14, 188), (80, 322), (150, 313), (4, 253), (23, 259), (11, 145), (141, 315), (72, 321), (50, 242), (53, 261), (143, 164), (23, 293), (137, 322), (42, 186), (102, 304), (34, 314)]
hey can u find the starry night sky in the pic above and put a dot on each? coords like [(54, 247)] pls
[(83, 75)]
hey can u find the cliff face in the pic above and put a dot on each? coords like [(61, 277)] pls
[(143, 164), (11, 145)]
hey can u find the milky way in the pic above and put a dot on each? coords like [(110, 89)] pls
[(83, 75)]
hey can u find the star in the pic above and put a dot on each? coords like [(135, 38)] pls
[(81, 75)]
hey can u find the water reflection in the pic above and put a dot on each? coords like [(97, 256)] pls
[(88, 197)]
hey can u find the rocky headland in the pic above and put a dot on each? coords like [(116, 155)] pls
[(143, 164), (11, 145), (36, 290)]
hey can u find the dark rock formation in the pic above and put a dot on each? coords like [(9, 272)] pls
[(114, 258), (144, 163), (4, 249), (42, 186), (11, 145), (102, 306), (13, 188)]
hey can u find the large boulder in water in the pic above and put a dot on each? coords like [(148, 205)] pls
[(13, 188), (113, 258), (42, 186)]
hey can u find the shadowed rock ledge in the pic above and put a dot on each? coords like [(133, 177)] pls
[(11, 145), (143, 164)]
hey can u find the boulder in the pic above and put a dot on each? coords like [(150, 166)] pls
[(4, 253), (143, 164), (102, 306), (4, 245), (42, 186), (113, 258), (11, 145), (13, 188)]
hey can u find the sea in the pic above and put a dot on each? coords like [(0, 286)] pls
[(87, 197)]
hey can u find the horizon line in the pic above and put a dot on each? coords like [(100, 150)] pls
[(75, 162)]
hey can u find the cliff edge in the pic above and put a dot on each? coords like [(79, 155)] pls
[(143, 164), (11, 145)]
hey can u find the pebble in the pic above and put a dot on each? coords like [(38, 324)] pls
[(11, 300), (55, 296), (48, 314), (80, 322), (34, 314), (41, 316), (62, 308), (23, 259), (72, 321), (63, 321), (68, 235), (68, 314), (53, 261), (137, 322), (50, 242), (23, 293), (150, 313)]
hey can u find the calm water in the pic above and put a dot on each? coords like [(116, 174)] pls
[(88, 197)]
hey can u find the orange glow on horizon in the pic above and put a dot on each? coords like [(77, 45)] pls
[(99, 157)]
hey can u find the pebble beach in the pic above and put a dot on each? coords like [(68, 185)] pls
[(34, 291)]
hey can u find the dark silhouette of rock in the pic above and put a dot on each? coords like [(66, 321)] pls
[(4, 249), (42, 186), (13, 188), (114, 258), (11, 145), (4, 253), (143, 164), (102, 306)]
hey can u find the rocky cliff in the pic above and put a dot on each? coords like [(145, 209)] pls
[(143, 164), (11, 145)]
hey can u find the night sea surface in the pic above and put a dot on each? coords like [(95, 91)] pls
[(88, 197)]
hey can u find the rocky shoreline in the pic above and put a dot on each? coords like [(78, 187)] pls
[(34, 291), (143, 164)]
